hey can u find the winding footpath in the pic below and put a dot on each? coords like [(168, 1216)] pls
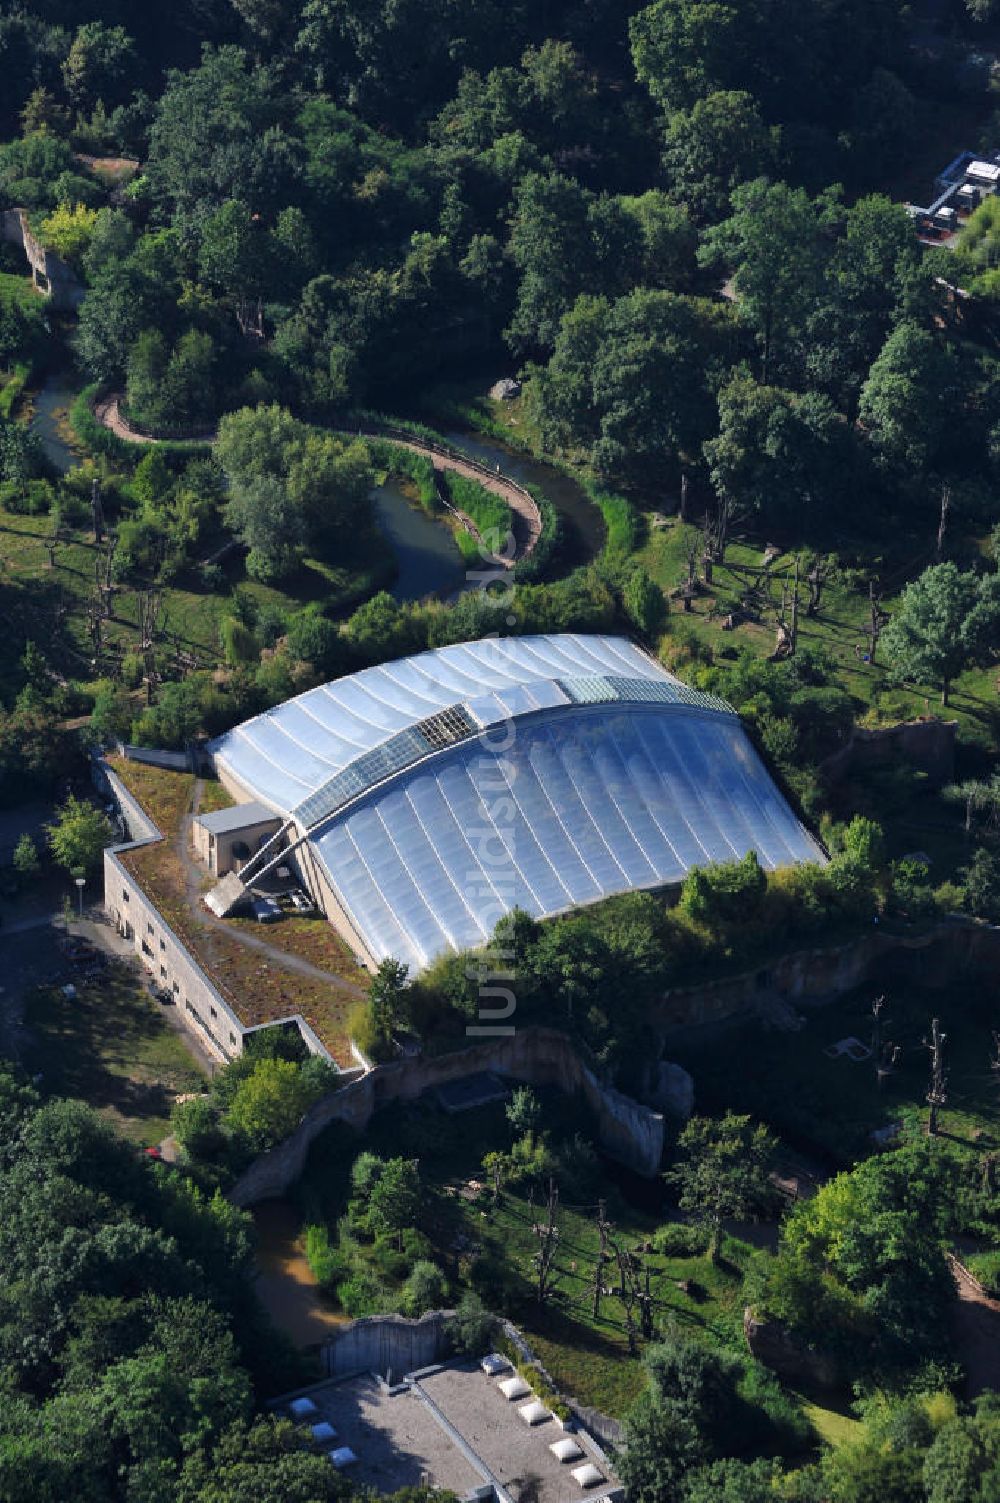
[(525, 515)]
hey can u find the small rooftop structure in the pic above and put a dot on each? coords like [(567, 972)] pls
[(237, 819), (983, 172), (227, 838)]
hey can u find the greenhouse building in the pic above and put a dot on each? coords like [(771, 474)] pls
[(422, 799)]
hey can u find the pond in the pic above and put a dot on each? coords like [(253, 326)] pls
[(285, 1285), (583, 525), (427, 554), (50, 419)]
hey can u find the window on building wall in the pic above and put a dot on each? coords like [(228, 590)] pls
[(163, 972), (124, 895), (149, 928), (213, 1012), (177, 987), (163, 944), (232, 1038)]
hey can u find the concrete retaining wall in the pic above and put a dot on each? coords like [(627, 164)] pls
[(50, 274), (387, 1345), (173, 761), (812, 978), (925, 744), (628, 1131)]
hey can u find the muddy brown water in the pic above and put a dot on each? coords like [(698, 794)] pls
[(285, 1284)]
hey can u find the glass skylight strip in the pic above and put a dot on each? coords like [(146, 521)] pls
[(613, 688)]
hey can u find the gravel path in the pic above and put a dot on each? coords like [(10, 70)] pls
[(976, 1329), (107, 411), (527, 521)]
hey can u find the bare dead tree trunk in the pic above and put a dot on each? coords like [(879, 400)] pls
[(943, 521), (548, 1239), (97, 511), (602, 1232), (878, 620), (937, 1088), (816, 580)]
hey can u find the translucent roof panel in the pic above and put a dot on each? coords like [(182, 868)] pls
[(545, 772), (582, 803), (289, 753)]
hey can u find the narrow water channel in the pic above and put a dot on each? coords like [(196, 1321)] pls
[(583, 525), (285, 1284), (427, 554), (50, 419)]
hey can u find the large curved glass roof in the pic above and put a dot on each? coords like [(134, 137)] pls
[(443, 790)]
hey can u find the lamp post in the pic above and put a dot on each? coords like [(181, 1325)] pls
[(80, 882)]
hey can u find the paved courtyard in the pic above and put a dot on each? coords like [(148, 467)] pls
[(452, 1428)]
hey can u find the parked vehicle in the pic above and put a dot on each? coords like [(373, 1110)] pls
[(266, 910)]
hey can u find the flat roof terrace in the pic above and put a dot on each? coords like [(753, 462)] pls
[(265, 974), (451, 1427), (515, 1453), (396, 1436)]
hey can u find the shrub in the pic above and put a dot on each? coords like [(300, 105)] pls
[(680, 1239), (425, 1289), (472, 1327), (26, 862), (986, 1268), (911, 889), (327, 1263), (361, 1294), (730, 891), (543, 1390), (195, 1125), (269, 1103), (981, 885), (578, 1168), (366, 1171)]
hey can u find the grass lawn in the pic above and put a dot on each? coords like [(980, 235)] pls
[(836, 1426), (112, 1047), (836, 631), (492, 1249), (214, 796), (19, 289), (831, 1106), (12, 384), (52, 603)]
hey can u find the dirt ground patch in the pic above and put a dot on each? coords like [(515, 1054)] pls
[(111, 1046)]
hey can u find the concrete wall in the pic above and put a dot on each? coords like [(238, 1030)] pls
[(199, 1004), (49, 272), (925, 744), (632, 1133), (387, 1344), (811, 978), (173, 761)]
